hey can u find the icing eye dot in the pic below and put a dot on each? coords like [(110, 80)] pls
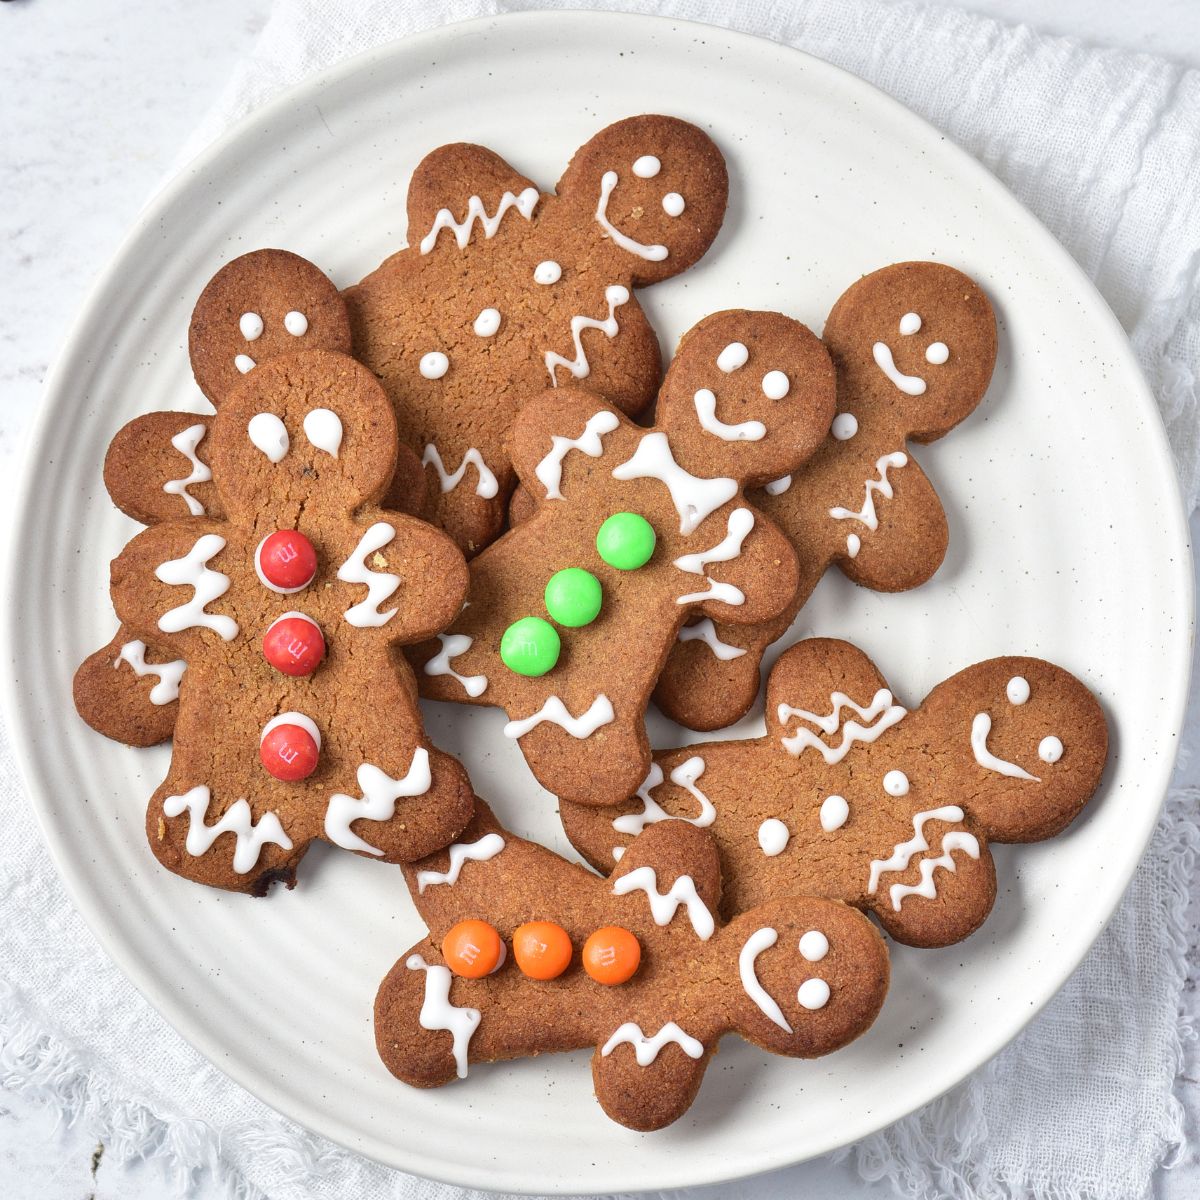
[(251, 326), (269, 434), (611, 955), (647, 167), (530, 646), (472, 949), (813, 994), (895, 783), (814, 945), (775, 385), (626, 541), (244, 363), (773, 837), (323, 428), (937, 353), (844, 427), (434, 364), (1018, 689), (733, 356), (910, 323), (296, 323), (573, 597), (674, 204), (1050, 749), (547, 272), (834, 813), (488, 322)]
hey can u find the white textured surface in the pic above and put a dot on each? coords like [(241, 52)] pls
[(42, 288)]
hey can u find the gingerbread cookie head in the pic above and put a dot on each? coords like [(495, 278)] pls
[(852, 796), (573, 612), (297, 721), (259, 306), (529, 953), (504, 290)]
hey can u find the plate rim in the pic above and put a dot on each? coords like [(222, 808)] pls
[(55, 404)]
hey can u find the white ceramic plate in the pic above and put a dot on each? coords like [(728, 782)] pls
[(1067, 541)]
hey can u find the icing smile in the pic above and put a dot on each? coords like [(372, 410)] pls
[(910, 385), (608, 181)]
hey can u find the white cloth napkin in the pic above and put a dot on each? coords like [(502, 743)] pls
[(1104, 147)]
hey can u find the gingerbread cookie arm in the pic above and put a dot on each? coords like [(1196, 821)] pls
[(156, 469)]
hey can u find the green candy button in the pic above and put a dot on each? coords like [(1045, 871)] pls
[(530, 646), (573, 597), (626, 541)]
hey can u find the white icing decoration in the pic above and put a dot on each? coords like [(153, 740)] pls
[(547, 272), (549, 470), (193, 571), (773, 837), (647, 166), (883, 485), (292, 718), (244, 363), (554, 710), (881, 706), (488, 322), (525, 203), (981, 726), (834, 813), (186, 442), (379, 584), (168, 674), (1017, 690), (486, 486), (274, 587), (646, 1048), (664, 905), (673, 204), (723, 593), (485, 848), (608, 181), (437, 1013), (706, 413), (844, 427), (895, 783), (269, 434), (614, 296), (910, 385), (778, 486), (454, 644), (775, 385), (684, 776), (937, 353), (236, 819), (251, 326), (903, 852), (694, 498), (910, 323), (296, 323), (853, 545), (378, 801), (734, 355), (1050, 749), (756, 943), (434, 364), (705, 631), (323, 428), (813, 994), (740, 523), (814, 945)]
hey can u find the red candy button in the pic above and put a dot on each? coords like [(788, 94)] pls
[(290, 746), (285, 561), (294, 644)]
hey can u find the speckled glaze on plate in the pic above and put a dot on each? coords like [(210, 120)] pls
[(1067, 541)]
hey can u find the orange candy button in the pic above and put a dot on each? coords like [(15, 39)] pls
[(611, 955), (472, 949), (542, 949)]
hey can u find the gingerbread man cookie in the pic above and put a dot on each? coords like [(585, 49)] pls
[(851, 796), (914, 346), (297, 718), (573, 612), (261, 306), (528, 953), (504, 291)]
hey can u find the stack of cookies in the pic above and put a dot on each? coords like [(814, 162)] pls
[(469, 478)]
